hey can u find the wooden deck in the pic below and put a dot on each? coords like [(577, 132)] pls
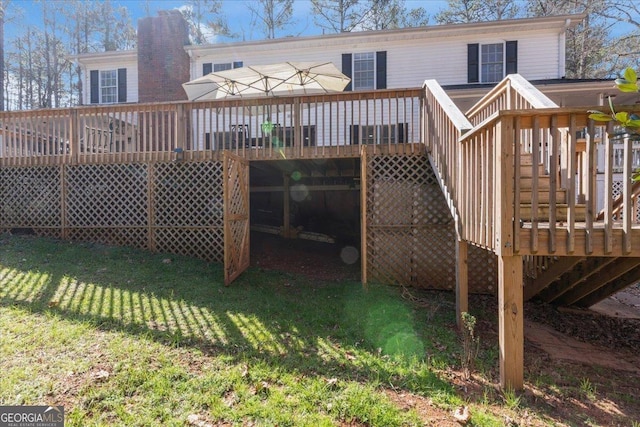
[(518, 175), (307, 127)]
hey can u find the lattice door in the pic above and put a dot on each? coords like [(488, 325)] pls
[(236, 216), (409, 236)]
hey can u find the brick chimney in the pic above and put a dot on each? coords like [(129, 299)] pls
[(163, 64)]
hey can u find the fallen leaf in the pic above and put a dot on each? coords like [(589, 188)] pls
[(462, 415), (100, 375)]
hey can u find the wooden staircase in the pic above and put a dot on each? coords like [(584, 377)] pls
[(547, 245), (577, 281), (538, 209), (581, 281)]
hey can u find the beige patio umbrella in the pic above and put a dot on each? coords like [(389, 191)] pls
[(286, 78)]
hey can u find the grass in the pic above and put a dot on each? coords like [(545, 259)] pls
[(125, 337), (121, 336)]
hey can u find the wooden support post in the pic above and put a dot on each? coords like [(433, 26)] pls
[(285, 212), (74, 138), (511, 319), (462, 280), (363, 214)]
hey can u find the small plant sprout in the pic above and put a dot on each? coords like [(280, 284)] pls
[(511, 399), (470, 344), (587, 389)]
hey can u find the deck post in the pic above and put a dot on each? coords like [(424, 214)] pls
[(511, 322), (462, 280), (510, 267), (286, 219), (74, 137)]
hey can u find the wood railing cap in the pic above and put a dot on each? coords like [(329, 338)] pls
[(452, 111)]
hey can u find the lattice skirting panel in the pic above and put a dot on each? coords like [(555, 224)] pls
[(168, 207), (31, 198), (410, 235)]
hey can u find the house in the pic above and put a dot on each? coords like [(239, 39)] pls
[(478, 55), (503, 198), (468, 58)]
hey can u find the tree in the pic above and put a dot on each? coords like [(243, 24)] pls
[(624, 50), (384, 15), (417, 17), (463, 11), (80, 17), (337, 16), (114, 27), (586, 43), (205, 20), (3, 7), (273, 15)]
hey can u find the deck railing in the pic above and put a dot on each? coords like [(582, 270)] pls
[(444, 125), (490, 179), (279, 127), (513, 93), (481, 170)]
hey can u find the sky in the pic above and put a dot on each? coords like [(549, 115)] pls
[(235, 11)]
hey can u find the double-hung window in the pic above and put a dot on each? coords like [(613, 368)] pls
[(108, 86), (209, 67), (364, 71), (491, 62), (367, 70)]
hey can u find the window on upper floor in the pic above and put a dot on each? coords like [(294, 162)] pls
[(367, 70), (364, 71), (108, 86), (491, 62)]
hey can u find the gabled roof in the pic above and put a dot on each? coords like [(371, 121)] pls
[(560, 23)]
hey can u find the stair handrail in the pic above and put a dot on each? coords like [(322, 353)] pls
[(514, 92), (444, 124), (618, 202)]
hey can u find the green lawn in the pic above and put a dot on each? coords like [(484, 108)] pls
[(124, 337)]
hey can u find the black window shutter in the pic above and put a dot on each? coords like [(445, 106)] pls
[(207, 67), (237, 64), (402, 133), (381, 70), (511, 57), (95, 87), (122, 85), (346, 69), (473, 63)]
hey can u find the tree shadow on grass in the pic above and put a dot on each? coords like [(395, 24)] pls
[(327, 329)]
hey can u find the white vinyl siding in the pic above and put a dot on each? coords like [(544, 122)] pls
[(132, 78), (411, 61)]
